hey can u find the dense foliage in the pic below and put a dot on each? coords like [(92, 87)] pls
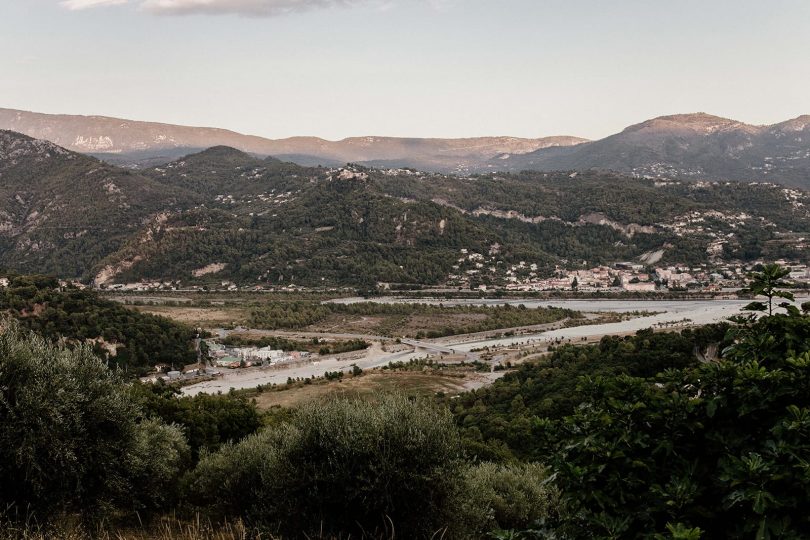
[(722, 447), (700, 434), (513, 415), (138, 340), (341, 465), (208, 421), (357, 468), (70, 437)]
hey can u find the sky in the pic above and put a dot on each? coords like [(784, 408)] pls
[(416, 68)]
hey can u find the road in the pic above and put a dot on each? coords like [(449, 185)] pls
[(240, 379)]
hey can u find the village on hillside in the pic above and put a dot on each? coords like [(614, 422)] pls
[(474, 271)]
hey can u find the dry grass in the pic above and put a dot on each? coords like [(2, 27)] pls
[(409, 382), (206, 317), (167, 528), (400, 325)]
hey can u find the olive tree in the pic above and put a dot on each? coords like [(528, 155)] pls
[(69, 433), (340, 467)]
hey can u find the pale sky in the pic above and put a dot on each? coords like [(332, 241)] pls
[(426, 68)]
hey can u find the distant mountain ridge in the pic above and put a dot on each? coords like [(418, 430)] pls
[(695, 146), (148, 143)]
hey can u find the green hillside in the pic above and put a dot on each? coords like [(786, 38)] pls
[(124, 338), (223, 215), (61, 212)]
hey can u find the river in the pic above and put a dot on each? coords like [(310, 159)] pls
[(667, 313)]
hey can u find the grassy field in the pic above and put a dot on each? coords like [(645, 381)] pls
[(368, 384), (396, 324), (201, 317)]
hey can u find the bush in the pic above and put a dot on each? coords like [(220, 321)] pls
[(721, 446), (494, 496), (339, 467), (207, 421), (63, 423), (158, 457)]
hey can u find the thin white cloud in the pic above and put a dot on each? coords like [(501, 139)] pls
[(250, 8), (75, 5), (258, 8)]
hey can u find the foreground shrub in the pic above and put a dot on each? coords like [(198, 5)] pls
[(69, 437), (157, 458), (723, 447), (340, 467), (208, 421), (495, 496)]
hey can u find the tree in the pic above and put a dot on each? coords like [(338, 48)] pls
[(767, 283), (70, 439)]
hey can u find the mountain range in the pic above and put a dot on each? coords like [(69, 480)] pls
[(225, 215), (127, 142), (695, 146)]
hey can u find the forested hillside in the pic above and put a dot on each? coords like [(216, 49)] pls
[(61, 212), (223, 215), (124, 338)]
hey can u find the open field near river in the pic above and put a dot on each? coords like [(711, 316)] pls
[(490, 330), (372, 383), (311, 314)]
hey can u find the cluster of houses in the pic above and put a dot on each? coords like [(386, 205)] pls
[(224, 357), (236, 357), (143, 286), (191, 372), (633, 277), (474, 268)]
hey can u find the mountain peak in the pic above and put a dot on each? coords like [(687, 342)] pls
[(223, 152), (699, 122), (800, 123)]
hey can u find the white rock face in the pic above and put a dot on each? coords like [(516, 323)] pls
[(93, 144), (209, 269)]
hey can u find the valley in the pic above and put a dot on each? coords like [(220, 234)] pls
[(404, 270), (470, 360)]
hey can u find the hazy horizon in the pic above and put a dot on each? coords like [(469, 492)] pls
[(406, 68)]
